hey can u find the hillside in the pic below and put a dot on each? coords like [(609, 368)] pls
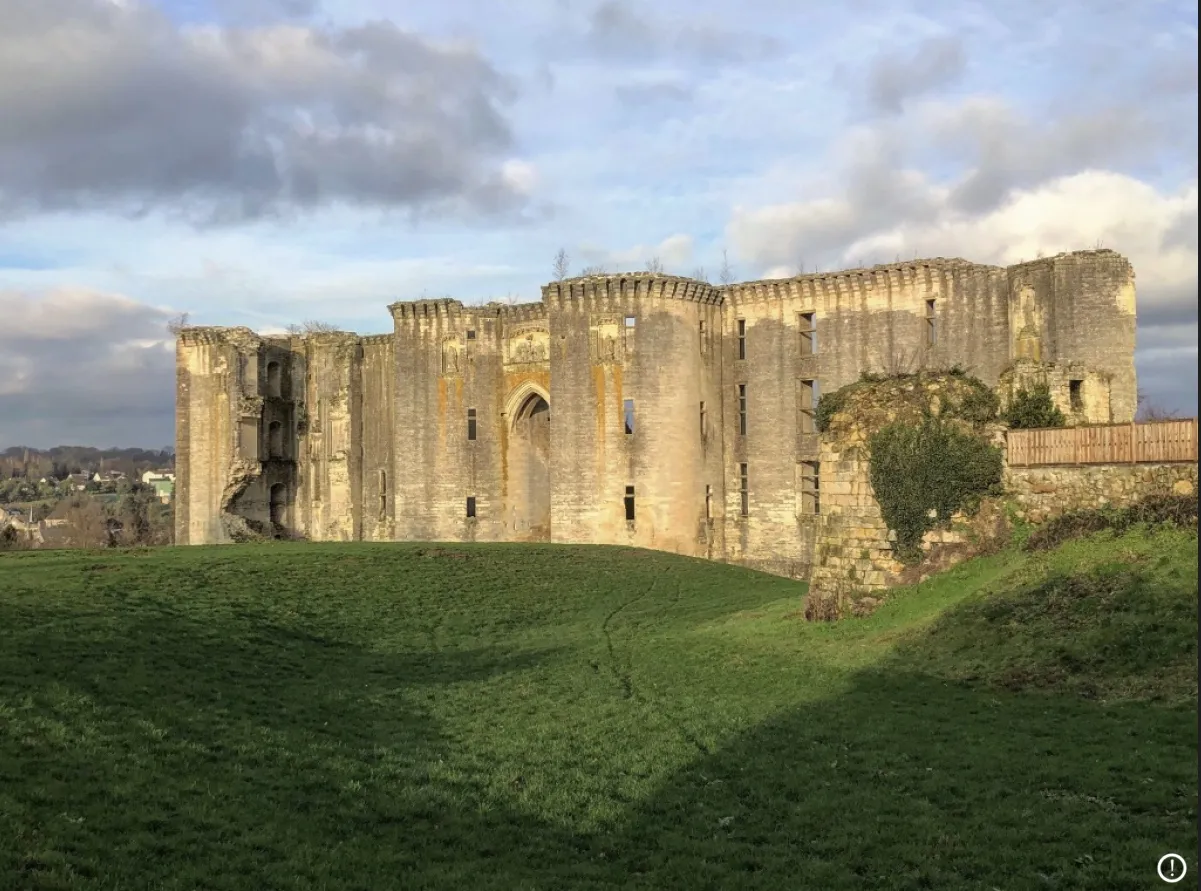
[(508, 716)]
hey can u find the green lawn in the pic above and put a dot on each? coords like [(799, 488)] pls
[(506, 717)]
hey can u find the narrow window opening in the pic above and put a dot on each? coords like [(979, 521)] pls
[(628, 410), (810, 496), (275, 440), (701, 329), (708, 502), (630, 504), (931, 324), (1076, 394), (383, 494), (808, 327), (274, 380), (742, 409), (807, 405), (471, 507), (471, 424), (703, 420), (742, 338), (744, 491)]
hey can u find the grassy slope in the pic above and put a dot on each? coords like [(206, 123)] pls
[(370, 716)]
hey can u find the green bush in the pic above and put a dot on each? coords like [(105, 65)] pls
[(931, 467), (1033, 409), (980, 405), (1153, 510)]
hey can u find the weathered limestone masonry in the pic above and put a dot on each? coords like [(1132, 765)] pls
[(1043, 493), (854, 560), (682, 412)]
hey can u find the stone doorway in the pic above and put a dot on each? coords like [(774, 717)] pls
[(527, 508)]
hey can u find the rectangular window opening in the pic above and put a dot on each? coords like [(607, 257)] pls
[(708, 502), (630, 321), (471, 428), (383, 494), (807, 405), (1076, 394), (742, 409), (630, 504), (808, 328), (702, 420), (471, 507), (744, 491), (931, 324), (471, 334), (628, 410), (810, 496), (742, 338)]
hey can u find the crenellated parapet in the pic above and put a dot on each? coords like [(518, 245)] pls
[(831, 288), (376, 340), (242, 338), (621, 287), (440, 308), (521, 313)]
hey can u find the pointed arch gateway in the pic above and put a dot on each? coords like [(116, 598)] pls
[(527, 463)]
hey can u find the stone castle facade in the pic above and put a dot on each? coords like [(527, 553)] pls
[(637, 409)]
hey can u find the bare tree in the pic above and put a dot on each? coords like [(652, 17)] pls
[(562, 265), (1149, 412), (700, 275), (86, 525), (177, 323), (655, 265), (312, 326), (593, 270), (726, 274), (800, 267)]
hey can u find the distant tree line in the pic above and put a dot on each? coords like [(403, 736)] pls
[(58, 462)]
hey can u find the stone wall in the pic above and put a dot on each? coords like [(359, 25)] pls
[(337, 436), (1043, 493)]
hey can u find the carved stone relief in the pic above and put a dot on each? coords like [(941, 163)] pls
[(605, 340), (452, 357), (528, 345)]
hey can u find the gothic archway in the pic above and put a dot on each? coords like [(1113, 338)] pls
[(527, 501)]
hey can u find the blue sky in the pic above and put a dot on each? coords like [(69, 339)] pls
[(266, 162)]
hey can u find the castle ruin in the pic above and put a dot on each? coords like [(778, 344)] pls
[(635, 409)]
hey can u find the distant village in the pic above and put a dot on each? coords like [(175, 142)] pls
[(82, 497)]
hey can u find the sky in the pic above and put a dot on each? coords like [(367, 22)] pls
[(270, 162)]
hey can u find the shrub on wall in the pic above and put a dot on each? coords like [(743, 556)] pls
[(1033, 409), (980, 405), (962, 395), (923, 474)]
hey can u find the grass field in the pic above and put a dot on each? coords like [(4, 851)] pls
[(505, 717)]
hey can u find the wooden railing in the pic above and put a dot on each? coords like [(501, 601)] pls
[(1151, 443)]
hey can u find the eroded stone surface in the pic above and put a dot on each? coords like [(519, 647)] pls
[(365, 438)]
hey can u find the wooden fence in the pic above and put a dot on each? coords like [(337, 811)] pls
[(1151, 443)]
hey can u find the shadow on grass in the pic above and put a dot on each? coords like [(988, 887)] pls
[(168, 753)]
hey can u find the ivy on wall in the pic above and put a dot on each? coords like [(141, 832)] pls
[(929, 457), (922, 474)]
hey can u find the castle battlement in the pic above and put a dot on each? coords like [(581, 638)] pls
[(628, 286), (441, 307), (630, 408)]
